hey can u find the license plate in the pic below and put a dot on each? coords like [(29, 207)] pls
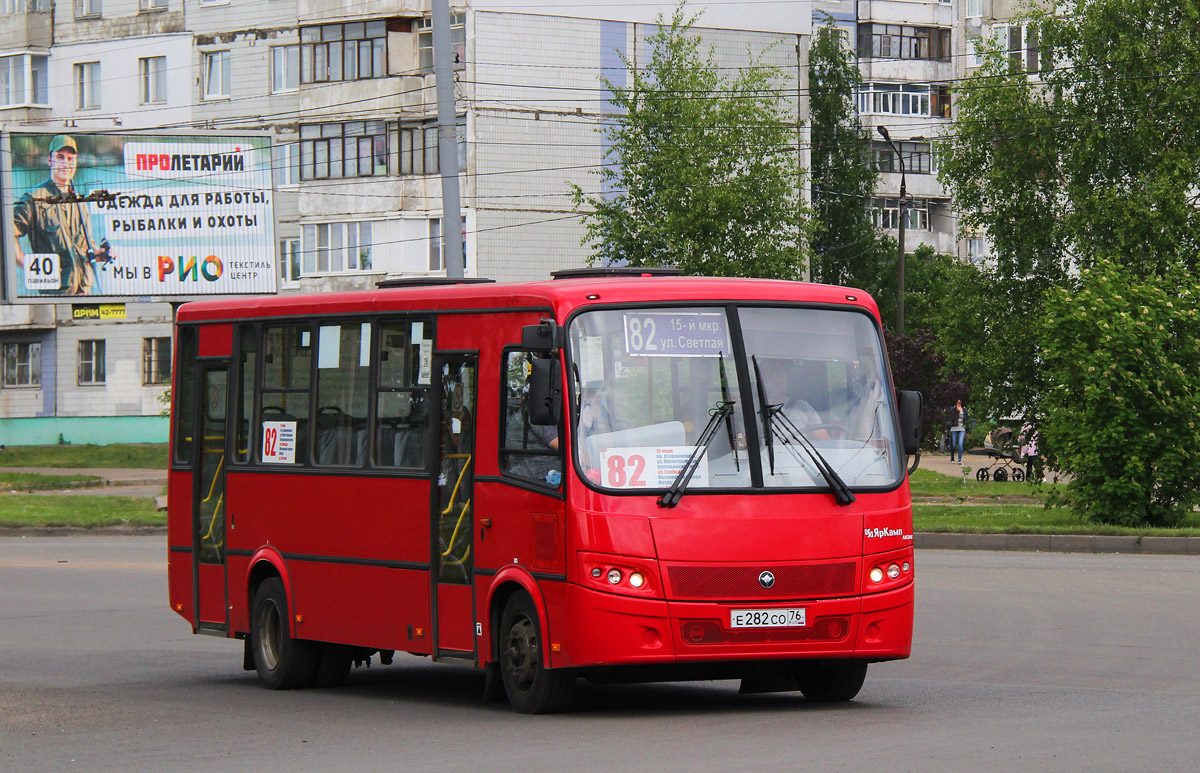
[(767, 618)]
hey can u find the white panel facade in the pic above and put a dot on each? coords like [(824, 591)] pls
[(123, 392), (120, 106)]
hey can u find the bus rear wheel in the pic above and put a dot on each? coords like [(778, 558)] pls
[(831, 681), (530, 686), (282, 663)]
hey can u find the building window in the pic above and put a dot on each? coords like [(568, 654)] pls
[(437, 246), (39, 79), (87, 85), (343, 52), (974, 52), (458, 41), (154, 79), (285, 69), (974, 9), (885, 213), (975, 249), (916, 99), (152, 5), (353, 149), (91, 363), (86, 8), (24, 80), (419, 146), (285, 163), (216, 75), (896, 41), (23, 365), (156, 360), (918, 157), (333, 248), (289, 261), (1020, 42)]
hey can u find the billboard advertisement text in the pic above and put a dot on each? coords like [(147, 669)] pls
[(138, 216)]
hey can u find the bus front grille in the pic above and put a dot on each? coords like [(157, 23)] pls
[(826, 629), (790, 581)]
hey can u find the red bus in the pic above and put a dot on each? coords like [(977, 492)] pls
[(611, 475)]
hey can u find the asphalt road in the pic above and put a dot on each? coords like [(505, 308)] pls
[(1021, 661)]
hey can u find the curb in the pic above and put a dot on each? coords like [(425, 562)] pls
[(1059, 543), (77, 531)]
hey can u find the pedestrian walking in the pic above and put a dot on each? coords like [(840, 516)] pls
[(958, 429)]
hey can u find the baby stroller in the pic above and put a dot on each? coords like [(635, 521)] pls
[(1006, 460)]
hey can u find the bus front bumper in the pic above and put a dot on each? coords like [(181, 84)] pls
[(602, 629)]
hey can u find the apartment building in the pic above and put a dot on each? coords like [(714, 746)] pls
[(348, 92)]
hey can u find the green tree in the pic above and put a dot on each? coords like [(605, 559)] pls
[(846, 248), (1090, 163), (1123, 354), (704, 168)]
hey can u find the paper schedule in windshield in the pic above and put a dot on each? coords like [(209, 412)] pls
[(648, 466), (676, 334)]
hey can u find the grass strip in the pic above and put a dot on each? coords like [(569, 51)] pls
[(1029, 519), (929, 484), (28, 481), (142, 456), (89, 512)]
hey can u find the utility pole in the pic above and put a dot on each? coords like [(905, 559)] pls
[(900, 253), (447, 121)]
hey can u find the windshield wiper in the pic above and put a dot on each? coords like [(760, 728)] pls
[(675, 492), (729, 416), (791, 434), (768, 432)]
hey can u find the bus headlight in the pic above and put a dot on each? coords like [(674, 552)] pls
[(619, 574), (876, 574)]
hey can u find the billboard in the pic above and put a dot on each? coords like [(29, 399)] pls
[(137, 216)]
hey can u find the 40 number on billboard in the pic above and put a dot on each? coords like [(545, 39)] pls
[(105, 215)]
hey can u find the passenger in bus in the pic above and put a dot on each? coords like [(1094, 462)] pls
[(594, 419), (783, 386), (544, 463), (866, 407)]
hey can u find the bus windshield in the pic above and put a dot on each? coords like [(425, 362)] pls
[(647, 381)]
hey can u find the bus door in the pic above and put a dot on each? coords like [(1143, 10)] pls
[(453, 517), (208, 501)]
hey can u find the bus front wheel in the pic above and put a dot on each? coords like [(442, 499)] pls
[(531, 687), (830, 681), (282, 663)]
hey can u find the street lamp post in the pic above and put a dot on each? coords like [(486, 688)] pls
[(900, 252)]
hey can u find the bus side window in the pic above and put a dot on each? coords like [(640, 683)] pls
[(343, 389), (185, 398), (527, 451), (287, 373), (244, 404), (402, 394)]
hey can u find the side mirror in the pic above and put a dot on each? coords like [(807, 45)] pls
[(912, 413), (545, 391), (543, 337)]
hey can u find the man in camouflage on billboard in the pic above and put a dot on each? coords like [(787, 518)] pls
[(56, 221)]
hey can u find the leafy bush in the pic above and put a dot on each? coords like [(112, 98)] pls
[(1122, 420)]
